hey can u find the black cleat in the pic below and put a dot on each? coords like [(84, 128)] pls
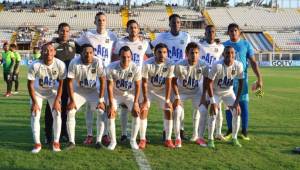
[(297, 150), (182, 135), (98, 145), (70, 146), (124, 139)]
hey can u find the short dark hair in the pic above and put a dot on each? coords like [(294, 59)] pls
[(62, 25), (159, 46), (132, 21), (4, 44), (14, 46), (209, 27), (124, 48), (99, 13), (233, 25), (227, 47), (191, 45), (83, 46), (174, 16)]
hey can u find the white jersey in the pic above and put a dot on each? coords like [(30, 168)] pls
[(102, 43), (176, 44), (123, 79), (139, 48), (223, 76), (157, 73), (45, 77), (189, 78), (85, 76), (211, 52)]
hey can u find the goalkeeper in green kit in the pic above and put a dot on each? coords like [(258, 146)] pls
[(16, 68), (7, 59)]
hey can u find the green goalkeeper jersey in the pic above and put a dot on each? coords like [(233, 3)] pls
[(7, 60)]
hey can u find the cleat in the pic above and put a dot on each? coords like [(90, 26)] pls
[(235, 142), (201, 142), (70, 146), (88, 140), (182, 135), (64, 139), (169, 144), (142, 144), (98, 145), (244, 137), (7, 94), (210, 143), (133, 144), (297, 150), (112, 146), (56, 147), (105, 140), (16, 92), (228, 137), (37, 148), (220, 137), (193, 139), (123, 139), (178, 143)]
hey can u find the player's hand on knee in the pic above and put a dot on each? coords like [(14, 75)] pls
[(176, 103), (144, 105), (111, 112), (34, 109), (71, 105), (168, 106), (136, 110), (57, 105), (101, 106), (214, 108)]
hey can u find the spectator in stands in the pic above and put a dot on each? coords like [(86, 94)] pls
[(17, 58), (103, 41), (65, 51), (8, 62), (245, 54), (36, 53), (176, 41)]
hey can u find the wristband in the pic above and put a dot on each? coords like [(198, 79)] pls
[(212, 100), (168, 101), (177, 97), (101, 100)]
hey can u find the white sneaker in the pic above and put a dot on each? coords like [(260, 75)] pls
[(37, 148), (112, 146), (133, 144)]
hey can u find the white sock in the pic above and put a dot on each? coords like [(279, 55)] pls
[(182, 119), (89, 120), (100, 124), (135, 126), (143, 128), (124, 120), (112, 130), (168, 128), (177, 121), (235, 124), (56, 125), (219, 122), (196, 117), (71, 123), (202, 120), (211, 126), (105, 120), (35, 127)]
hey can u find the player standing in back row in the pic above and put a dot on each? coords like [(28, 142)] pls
[(176, 41)]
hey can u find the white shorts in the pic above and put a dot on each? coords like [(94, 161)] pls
[(157, 96), (228, 99), (195, 97), (83, 97), (39, 98), (126, 100)]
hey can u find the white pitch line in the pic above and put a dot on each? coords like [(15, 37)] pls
[(141, 159)]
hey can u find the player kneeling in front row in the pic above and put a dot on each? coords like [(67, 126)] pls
[(83, 73), (157, 75), (42, 84), (187, 84), (123, 86), (220, 88)]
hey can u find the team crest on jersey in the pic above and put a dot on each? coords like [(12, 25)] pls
[(216, 50), (54, 72), (129, 74), (181, 41), (165, 69), (107, 41), (232, 72), (199, 71), (93, 70), (140, 47)]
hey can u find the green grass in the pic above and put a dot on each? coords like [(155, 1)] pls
[(274, 131)]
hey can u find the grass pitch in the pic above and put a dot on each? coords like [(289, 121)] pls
[(274, 129)]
